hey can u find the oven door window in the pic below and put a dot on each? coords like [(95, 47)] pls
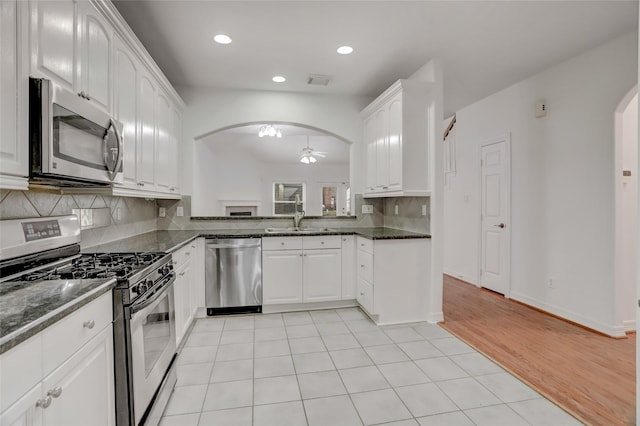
[(156, 332), (77, 140)]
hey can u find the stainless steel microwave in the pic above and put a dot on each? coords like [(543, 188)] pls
[(71, 141)]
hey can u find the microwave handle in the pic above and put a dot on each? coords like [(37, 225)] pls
[(114, 172)]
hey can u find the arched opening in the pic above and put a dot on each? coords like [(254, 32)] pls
[(241, 171), (626, 209)]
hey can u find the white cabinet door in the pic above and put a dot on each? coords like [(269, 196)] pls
[(125, 107), (395, 143), (82, 388), (54, 29), (14, 154), (349, 267), (24, 411), (370, 154), (197, 274), (382, 150), (95, 58), (182, 294), (365, 295), (164, 130), (322, 275), (174, 155), (147, 116), (281, 276)]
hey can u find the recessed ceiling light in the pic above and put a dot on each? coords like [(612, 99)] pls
[(222, 39), (279, 79), (345, 50)]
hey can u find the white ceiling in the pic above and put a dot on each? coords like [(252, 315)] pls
[(286, 150), (485, 45)]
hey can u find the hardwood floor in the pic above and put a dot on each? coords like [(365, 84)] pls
[(590, 375)]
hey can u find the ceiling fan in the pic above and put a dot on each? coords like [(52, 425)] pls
[(309, 155)]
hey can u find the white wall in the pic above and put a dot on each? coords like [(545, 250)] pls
[(212, 109), (562, 183), (626, 193), (238, 176)]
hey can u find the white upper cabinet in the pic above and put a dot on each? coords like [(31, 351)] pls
[(147, 150), (71, 44), (164, 142), (95, 59), (125, 95), (396, 142), (14, 153)]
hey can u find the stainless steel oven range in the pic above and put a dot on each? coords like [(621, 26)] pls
[(48, 248)]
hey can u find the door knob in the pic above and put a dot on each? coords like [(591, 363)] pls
[(502, 225)]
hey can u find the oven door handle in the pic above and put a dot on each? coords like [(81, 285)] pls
[(142, 304)]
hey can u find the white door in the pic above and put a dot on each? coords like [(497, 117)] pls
[(495, 227)]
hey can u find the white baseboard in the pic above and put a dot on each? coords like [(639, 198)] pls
[(293, 307), (609, 330), (435, 317), (629, 325)]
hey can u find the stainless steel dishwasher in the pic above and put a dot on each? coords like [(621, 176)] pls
[(233, 275)]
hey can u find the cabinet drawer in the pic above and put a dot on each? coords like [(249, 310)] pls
[(69, 334), (20, 370), (365, 295), (183, 254), (321, 242), (281, 243), (365, 266), (365, 244)]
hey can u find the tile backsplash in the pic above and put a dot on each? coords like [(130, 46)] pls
[(129, 216)]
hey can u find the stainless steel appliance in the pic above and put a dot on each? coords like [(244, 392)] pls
[(72, 142), (143, 305), (233, 275)]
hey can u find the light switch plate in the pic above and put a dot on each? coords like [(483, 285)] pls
[(396, 209), (162, 212), (424, 210), (367, 209), (180, 211)]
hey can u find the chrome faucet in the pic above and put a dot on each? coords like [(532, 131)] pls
[(299, 213)]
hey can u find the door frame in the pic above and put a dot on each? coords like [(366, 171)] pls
[(506, 138)]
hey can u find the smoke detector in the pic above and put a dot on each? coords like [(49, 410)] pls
[(318, 80)]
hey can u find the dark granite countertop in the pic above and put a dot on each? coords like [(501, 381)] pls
[(168, 241), (27, 308)]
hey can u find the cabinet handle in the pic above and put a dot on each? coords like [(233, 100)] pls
[(181, 273), (362, 266), (188, 253), (55, 392), (175, 262), (361, 294), (82, 95), (321, 242), (281, 244), (89, 324), (193, 246), (301, 255), (87, 97), (140, 183), (361, 244), (44, 402)]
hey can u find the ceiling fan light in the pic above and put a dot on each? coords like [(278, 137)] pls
[(272, 131), (279, 133), (304, 159), (312, 159)]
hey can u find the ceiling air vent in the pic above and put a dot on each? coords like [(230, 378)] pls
[(318, 80)]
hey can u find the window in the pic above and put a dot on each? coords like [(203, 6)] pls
[(329, 200), (284, 198)]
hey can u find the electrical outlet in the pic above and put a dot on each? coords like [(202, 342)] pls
[(367, 209), (180, 211), (424, 210), (118, 213), (162, 212), (396, 209), (551, 283)]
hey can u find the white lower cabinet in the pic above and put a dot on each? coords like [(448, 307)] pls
[(281, 277), (77, 390), (81, 389), (393, 279), (188, 290), (301, 269), (321, 275), (348, 267)]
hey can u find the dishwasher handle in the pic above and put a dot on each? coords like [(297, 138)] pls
[(235, 243)]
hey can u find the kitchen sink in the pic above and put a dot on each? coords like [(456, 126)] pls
[(293, 230)]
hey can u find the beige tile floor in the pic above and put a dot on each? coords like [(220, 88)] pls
[(337, 368)]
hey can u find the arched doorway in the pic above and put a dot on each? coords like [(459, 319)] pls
[(626, 210)]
